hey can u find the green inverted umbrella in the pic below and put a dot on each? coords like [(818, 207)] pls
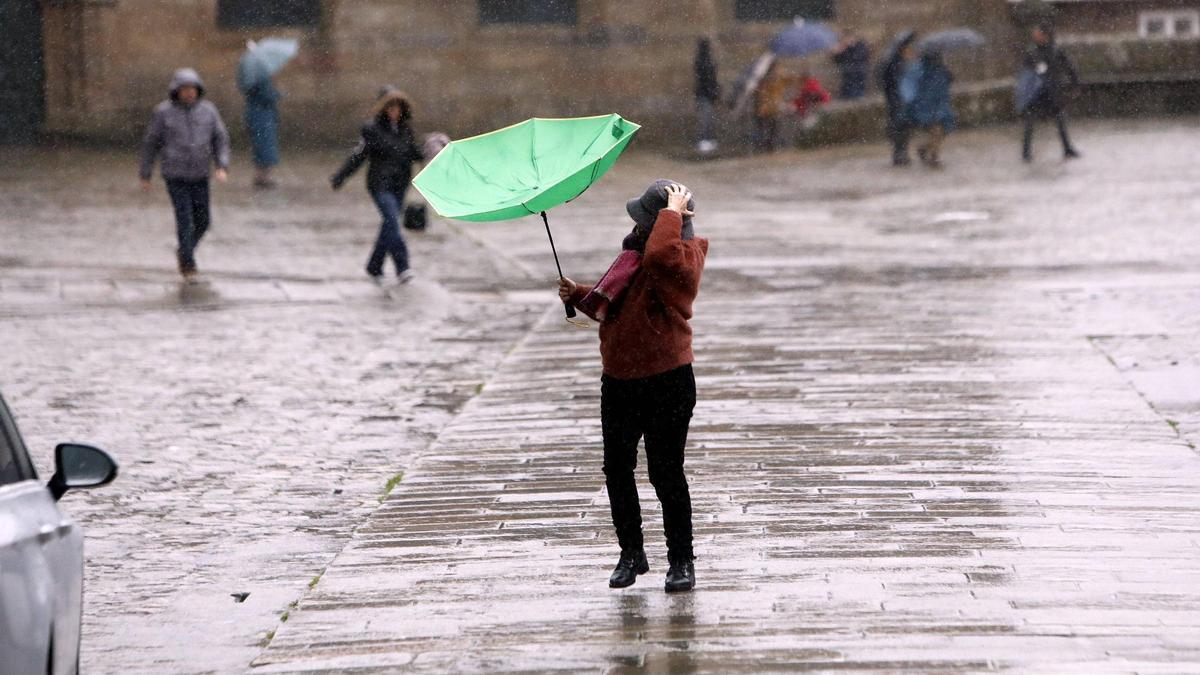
[(525, 169)]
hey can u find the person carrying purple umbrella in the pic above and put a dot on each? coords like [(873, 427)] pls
[(648, 389)]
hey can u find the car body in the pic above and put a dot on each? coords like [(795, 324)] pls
[(41, 554)]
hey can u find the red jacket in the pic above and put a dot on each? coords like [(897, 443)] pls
[(649, 333), (810, 97)]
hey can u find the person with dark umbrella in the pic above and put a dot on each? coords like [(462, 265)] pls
[(1051, 70), (648, 389), (892, 67)]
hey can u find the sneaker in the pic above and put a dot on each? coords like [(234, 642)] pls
[(405, 276), (1071, 154), (706, 146)]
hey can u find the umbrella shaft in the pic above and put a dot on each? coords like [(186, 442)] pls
[(546, 221)]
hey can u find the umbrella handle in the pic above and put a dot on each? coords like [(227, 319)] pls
[(566, 305)]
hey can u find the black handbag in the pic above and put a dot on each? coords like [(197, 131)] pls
[(415, 217)]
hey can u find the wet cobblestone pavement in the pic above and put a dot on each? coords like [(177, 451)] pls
[(947, 422)]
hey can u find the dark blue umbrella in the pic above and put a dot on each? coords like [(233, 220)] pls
[(803, 38), (952, 39)]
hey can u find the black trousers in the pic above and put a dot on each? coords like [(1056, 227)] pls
[(189, 198), (658, 408), (1060, 120)]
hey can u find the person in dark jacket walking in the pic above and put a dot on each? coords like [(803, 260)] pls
[(648, 388), (186, 130), (389, 145), (891, 72), (853, 60), (708, 92), (1053, 70)]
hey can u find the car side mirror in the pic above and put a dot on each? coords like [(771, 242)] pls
[(80, 466)]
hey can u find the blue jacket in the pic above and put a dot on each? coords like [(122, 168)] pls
[(262, 120), (925, 90)]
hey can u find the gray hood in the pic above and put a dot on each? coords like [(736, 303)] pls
[(185, 77)]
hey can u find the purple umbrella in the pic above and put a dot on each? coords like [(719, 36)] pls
[(803, 38)]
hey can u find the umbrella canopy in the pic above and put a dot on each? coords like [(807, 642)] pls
[(523, 169), (952, 39), (263, 59), (803, 38)]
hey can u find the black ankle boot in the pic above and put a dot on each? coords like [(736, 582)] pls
[(681, 576), (631, 564)]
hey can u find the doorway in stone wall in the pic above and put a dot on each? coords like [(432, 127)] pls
[(22, 71)]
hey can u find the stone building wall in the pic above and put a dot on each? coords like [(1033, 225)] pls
[(108, 61)]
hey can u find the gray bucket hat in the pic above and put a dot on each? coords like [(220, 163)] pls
[(644, 210)]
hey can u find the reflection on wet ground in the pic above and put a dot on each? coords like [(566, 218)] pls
[(945, 425)]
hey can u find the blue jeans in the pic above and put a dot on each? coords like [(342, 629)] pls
[(389, 242), (190, 199)]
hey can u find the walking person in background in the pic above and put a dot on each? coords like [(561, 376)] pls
[(648, 389), (1049, 71), (708, 91), (925, 90), (390, 147), (852, 57), (891, 71), (768, 104), (262, 120), (188, 133)]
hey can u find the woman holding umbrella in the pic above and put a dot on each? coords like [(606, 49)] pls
[(258, 64), (1050, 71), (391, 148), (648, 388), (926, 92)]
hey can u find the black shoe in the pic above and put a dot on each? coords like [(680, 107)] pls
[(1027, 158), (628, 568), (901, 160), (1071, 154), (681, 576)]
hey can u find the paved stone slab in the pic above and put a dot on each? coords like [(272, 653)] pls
[(909, 453), (935, 431)]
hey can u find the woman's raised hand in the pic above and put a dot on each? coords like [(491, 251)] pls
[(678, 197)]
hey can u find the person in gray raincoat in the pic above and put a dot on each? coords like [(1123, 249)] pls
[(187, 133), (1046, 73)]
